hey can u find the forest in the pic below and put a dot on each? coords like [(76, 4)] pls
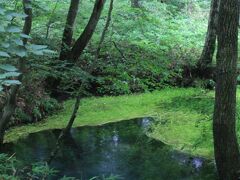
[(119, 89)]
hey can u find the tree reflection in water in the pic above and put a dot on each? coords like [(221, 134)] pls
[(121, 149)]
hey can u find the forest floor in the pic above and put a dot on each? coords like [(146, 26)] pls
[(183, 117)]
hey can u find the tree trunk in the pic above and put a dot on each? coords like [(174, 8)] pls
[(67, 130), (105, 29), (68, 30), (51, 21), (8, 111), (73, 116), (86, 35), (210, 42), (10, 105), (224, 120), (135, 4)]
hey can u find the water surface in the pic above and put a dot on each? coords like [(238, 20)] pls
[(121, 149)]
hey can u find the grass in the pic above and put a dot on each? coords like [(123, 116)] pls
[(183, 117)]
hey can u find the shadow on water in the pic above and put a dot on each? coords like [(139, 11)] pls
[(120, 149)]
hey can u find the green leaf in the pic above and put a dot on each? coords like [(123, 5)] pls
[(8, 67), (11, 82), (18, 42), (37, 47), (47, 51), (38, 52), (9, 74), (4, 54), (5, 45), (25, 36), (20, 51), (19, 15), (13, 29)]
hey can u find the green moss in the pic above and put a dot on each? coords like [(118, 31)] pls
[(183, 117)]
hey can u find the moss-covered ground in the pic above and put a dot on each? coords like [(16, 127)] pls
[(183, 117)]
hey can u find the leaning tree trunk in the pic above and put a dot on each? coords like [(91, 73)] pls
[(65, 132), (76, 52), (9, 107), (224, 121), (105, 29), (86, 35), (50, 21), (206, 57), (68, 30)]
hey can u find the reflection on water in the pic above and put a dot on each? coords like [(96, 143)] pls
[(197, 163), (120, 149), (146, 123)]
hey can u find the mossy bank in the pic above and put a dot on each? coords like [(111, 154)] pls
[(183, 116)]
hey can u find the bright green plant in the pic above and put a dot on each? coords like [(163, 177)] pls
[(12, 47)]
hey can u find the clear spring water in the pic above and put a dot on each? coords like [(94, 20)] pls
[(121, 149)]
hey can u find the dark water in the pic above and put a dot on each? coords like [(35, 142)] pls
[(121, 149)]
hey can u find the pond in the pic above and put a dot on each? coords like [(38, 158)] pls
[(120, 149)]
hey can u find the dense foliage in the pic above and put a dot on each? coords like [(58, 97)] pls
[(148, 48), (145, 49), (32, 103)]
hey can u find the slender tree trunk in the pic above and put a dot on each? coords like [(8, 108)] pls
[(76, 52), (66, 131), (27, 27), (7, 112), (224, 121), (109, 17), (68, 30), (206, 57), (135, 4), (9, 107), (50, 21), (86, 35), (73, 117)]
